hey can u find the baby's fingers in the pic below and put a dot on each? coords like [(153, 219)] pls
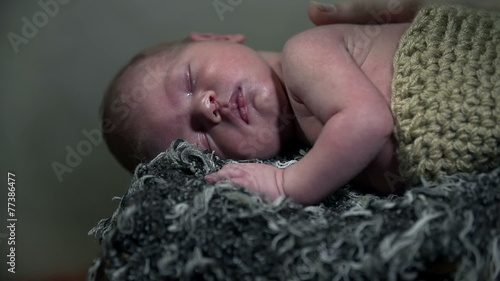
[(232, 173), (213, 178), (227, 173)]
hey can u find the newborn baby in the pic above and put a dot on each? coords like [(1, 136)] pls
[(331, 87)]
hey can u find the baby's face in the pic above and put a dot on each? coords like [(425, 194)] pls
[(219, 95)]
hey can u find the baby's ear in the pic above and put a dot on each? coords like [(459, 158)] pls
[(235, 38)]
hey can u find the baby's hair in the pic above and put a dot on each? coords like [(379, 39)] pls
[(127, 146)]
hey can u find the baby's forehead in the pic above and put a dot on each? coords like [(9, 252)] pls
[(143, 85), (143, 79), (155, 59), (155, 66)]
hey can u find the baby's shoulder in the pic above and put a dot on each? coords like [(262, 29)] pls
[(313, 53), (356, 40), (325, 44), (314, 39)]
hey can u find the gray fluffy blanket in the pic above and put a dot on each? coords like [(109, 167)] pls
[(171, 224)]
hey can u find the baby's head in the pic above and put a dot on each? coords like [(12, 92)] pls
[(210, 90)]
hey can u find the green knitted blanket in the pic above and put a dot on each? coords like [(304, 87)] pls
[(173, 225), (446, 93)]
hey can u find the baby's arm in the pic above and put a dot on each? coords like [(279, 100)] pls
[(357, 121)]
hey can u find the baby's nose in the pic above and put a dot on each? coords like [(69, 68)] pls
[(208, 108)]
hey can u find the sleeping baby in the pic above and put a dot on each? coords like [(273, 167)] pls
[(384, 105)]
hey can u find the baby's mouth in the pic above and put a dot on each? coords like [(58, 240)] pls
[(238, 105)]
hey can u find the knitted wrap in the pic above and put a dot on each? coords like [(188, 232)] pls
[(446, 93)]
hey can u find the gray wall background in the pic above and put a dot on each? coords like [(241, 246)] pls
[(50, 91)]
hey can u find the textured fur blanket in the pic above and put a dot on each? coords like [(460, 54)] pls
[(171, 224)]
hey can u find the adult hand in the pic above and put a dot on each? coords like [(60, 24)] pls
[(364, 11)]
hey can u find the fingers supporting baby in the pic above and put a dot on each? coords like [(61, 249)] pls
[(363, 11), (330, 13)]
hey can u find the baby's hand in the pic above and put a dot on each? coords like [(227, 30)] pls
[(262, 178)]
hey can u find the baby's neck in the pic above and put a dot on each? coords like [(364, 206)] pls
[(274, 60)]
